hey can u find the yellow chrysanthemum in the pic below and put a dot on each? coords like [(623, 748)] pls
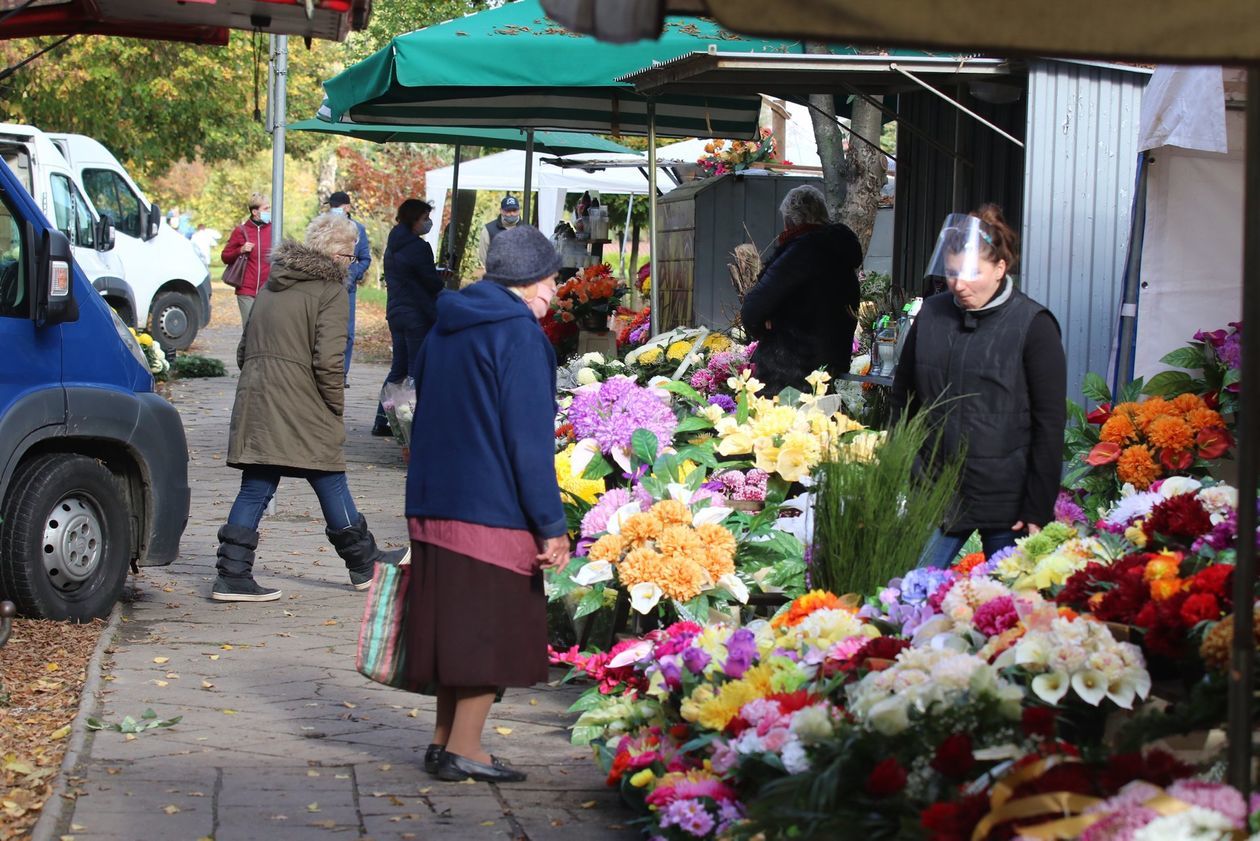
[(650, 356), (672, 512), (144, 339), (640, 528), (716, 342), (587, 490), (677, 351), (718, 711), (608, 548)]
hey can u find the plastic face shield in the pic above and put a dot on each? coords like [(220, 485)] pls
[(960, 246)]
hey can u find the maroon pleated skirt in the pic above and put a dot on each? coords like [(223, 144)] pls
[(473, 624)]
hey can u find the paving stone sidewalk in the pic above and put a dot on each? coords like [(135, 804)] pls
[(280, 738)]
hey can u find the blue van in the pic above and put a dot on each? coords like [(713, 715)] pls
[(93, 463)]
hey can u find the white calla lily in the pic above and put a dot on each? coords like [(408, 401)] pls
[(1090, 685), (1177, 485), (732, 584), (621, 515), (680, 492), (586, 451), (645, 595), (1051, 687), (593, 573), (621, 455), (710, 515), (1122, 692), (630, 655)]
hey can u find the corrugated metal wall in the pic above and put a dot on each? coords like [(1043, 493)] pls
[(1081, 161)]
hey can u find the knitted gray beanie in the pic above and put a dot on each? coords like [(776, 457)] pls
[(520, 256)]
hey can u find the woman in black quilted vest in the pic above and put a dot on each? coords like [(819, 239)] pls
[(987, 362)]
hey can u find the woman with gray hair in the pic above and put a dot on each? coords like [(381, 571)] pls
[(287, 417), (803, 309)]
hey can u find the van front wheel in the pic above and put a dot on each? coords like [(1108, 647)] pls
[(64, 538), (175, 317)]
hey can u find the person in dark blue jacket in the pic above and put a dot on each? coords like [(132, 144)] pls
[(483, 504), (339, 202), (412, 285)]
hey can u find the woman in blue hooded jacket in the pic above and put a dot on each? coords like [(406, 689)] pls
[(483, 505), (412, 285)]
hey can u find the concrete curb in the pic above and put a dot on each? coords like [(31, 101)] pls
[(46, 827)]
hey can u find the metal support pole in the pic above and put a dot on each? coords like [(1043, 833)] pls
[(453, 227), (529, 176), (1123, 373), (653, 255), (1243, 650), (280, 69)]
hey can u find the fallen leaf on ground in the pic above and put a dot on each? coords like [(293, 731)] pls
[(59, 733), (312, 807), (161, 660), (503, 731), (171, 809), (413, 712), (590, 804), (228, 712)]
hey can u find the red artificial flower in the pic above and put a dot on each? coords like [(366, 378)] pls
[(1212, 399), (1213, 443), (1100, 415), (954, 821), (886, 779), (1038, 721), (954, 757), (619, 765), (1216, 580), (1106, 452), (1201, 607), (1175, 461), (1181, 517), (680, 732)]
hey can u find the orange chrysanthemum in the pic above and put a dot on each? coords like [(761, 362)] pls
[(1186, 403), (678, 578), (608, 548), (1164, 589), (672, 512), (640, 528), (1149, 410), (1118, 429), (1138, 467), (681, 541), (717, 540), (804, 606), (1170, 433), (1161, 567), (1204, 418), (968, 563)]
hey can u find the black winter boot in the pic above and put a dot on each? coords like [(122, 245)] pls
[(236, 568), (357, 547)]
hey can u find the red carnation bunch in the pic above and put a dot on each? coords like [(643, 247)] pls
[(954, 757), (1179, 519), (886, 779), (879, 649)]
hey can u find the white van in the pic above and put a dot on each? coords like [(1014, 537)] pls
[(152, 277), (170, 283)]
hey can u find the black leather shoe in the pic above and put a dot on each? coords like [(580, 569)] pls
[(382, 431), (433, 758), (454, 768)]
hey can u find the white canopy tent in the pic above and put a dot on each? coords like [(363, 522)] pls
[(505, 171), (1191, 259)]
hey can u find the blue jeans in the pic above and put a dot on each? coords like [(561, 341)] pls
[(406, 339), (943, 547), (259, 483), (350, 329)]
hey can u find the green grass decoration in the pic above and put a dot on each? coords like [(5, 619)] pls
[(871, 521), (189, 366)]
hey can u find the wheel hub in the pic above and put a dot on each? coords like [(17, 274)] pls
[(73, 539), (173, 322)]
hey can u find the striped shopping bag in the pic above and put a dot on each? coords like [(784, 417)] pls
[(381, 655)]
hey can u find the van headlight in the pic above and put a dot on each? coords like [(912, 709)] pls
[(128, 339)]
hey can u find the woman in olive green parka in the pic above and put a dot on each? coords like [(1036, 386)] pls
[(287, 417)]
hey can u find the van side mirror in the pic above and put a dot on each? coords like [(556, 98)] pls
[(150, 222), (52, 281), (105, 233)]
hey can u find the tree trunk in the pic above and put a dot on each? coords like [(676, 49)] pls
[(463, 229), (632, 272), (865, 168), (828, 136), (326, 180)]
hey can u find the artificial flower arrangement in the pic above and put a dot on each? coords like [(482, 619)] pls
[(589, 298), (158, 364), (720, 158), (678, 350), (1215, 356), (1137, 442), (636, 329), (398, 401)]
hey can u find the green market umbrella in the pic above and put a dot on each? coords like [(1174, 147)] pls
[(511, 66), (553, 142)]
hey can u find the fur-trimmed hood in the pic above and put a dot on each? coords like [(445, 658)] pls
[(292, 262)]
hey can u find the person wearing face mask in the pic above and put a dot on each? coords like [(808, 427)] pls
[(986, 362), (251, 240), (339, 202), (483, 506), (412, 285), (509, 216)]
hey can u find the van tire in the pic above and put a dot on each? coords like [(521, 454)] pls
[(61, 508), (174, 320)]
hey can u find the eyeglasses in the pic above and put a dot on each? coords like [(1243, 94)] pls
[(347, 256)]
